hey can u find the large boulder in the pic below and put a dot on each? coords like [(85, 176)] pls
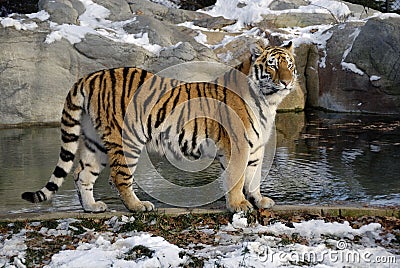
[(362, 68)]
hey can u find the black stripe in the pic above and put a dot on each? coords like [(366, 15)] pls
[(258, 104), (127, 176), (162, 111), (252, 122), (149, 127), (94, 173), (113, 89), (74, 89), (70, 105), (118, 164), (206, 127), (66, 156), (125, 72), (187, 86), (142, 78), (176, 99), (52, 187), (40, 196), (181, 136), (250, 143), (256, 72), (68, 137), (180, 121), (91, 90), (153, 91), (124, 184), (185, 148), (252, 162), (59, 172), (194, 135), (131, 80), (89, 147), (132, 129), (68, 120)]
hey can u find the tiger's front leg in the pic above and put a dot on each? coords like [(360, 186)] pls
[(234, 183), (253, 181), (121, 177)]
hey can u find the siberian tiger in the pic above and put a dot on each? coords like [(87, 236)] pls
[(94, 121)]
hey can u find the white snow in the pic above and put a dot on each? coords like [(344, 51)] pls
[(104, 253), (42, 15), (238, 244), (248, 12), (18, 24), (374, 78), (348, 65), (94, 21), (351, 67)]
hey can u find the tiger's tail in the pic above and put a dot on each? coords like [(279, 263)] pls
[(70, 132)]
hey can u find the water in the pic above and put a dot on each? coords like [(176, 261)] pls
[(320, 158)]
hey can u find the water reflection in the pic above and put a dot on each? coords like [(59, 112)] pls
[(320, 159)]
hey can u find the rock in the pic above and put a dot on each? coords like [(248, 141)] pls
[(119, 9), (287, 4), (102, 53), (362, 68), (360, 12), (34, 77), (181, 53), (62, 11), (379, 57), (172, 34), (213, 23), (286, 20), (163, 13)]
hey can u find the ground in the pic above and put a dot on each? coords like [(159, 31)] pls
[(199, 240)]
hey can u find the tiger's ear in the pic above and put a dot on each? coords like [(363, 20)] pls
[(256, 50), (289, 46)]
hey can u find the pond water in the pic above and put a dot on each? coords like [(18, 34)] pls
[(321, 158)]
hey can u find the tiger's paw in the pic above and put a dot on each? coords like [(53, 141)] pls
[(142, 206), (96, 207), (265, 202), (242, 206)]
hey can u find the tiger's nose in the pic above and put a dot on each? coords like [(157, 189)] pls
[(285, 82)]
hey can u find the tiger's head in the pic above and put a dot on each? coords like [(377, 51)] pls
[(273, 69)]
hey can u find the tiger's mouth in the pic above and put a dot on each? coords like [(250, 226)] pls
[(269, 87)]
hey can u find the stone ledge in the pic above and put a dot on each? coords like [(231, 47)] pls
[(283, 210)]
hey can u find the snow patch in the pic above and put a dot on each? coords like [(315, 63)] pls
[(245, 12), (351, 67), (374, 78), (42, 15), (18, 24), (94, 21), (104, 253)]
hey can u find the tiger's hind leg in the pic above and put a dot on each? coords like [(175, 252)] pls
[(122, 167), (91, 163)]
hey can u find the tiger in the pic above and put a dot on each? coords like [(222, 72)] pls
[(110, 115)]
